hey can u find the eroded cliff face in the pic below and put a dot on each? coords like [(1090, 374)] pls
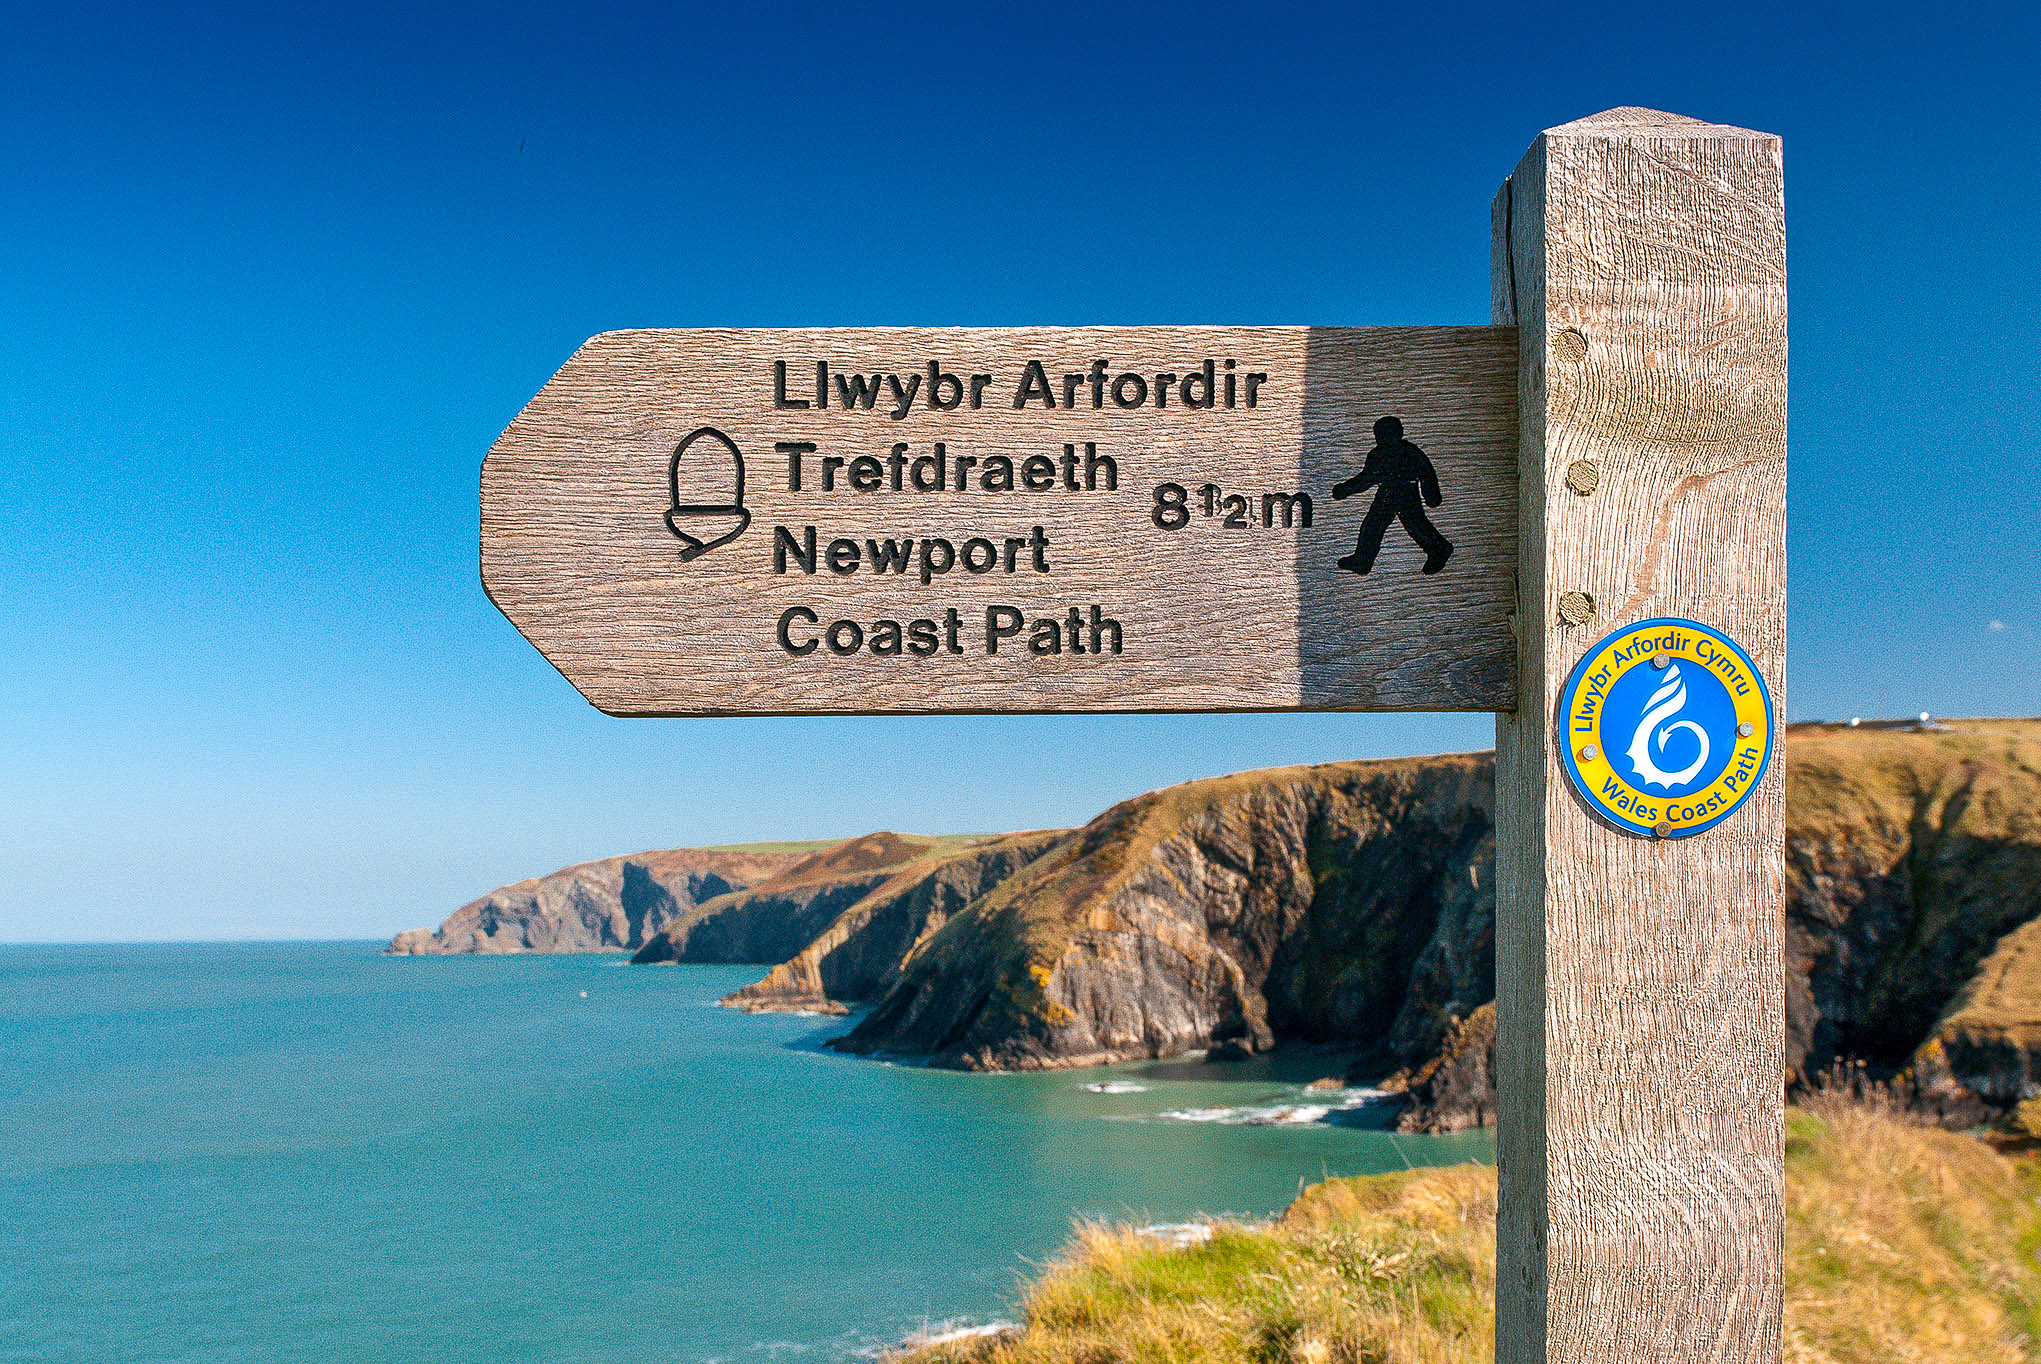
[(1990, 1039), (779, 916), (1914, 884), (612, 905), (1354, 904), (1221, 915), (861, 952), (1453, 1088)]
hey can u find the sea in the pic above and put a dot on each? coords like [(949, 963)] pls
[(309, 1151)]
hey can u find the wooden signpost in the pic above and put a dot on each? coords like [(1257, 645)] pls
[(1639, 984), (1573, 518), (1028, 519)]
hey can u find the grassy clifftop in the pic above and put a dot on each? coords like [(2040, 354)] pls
[(1914, 878), (1903, 1243)]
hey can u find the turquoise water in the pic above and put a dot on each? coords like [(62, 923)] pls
[(285, 1152)]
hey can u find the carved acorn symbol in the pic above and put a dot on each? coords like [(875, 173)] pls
[(713, 462)]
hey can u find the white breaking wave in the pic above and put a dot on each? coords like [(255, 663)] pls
[(1179, 1234), (944, 1333), (1274, 1115), (1114, 1087), (1317, 1109), (1201, 1114)]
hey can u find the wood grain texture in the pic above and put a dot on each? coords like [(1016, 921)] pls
[(576, 553), (1640, 1012)]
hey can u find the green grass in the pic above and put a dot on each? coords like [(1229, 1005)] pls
[(796, 846), (817, 844), (1903, 1243)]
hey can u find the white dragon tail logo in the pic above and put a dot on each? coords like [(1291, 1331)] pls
[(1666, 702)]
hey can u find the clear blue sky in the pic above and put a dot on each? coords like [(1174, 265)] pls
[(276, 276)]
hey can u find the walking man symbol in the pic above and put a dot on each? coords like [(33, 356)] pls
[(1408, 484)]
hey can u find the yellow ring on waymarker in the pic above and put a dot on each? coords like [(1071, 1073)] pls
[(1600, 747)]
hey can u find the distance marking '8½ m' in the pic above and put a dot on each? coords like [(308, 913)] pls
[(1173, 507)]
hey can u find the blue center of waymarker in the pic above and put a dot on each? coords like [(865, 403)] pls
[(1683, 714)]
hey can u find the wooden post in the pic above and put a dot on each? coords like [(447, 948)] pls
[(1640, 1001)]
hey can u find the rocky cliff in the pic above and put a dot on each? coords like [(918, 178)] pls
[(782, 914), (612, 905), (860, 953), (1913, 886), (1348, 904), (1353, 904), (1453, 1088), (1913, 923), (1227, 914)]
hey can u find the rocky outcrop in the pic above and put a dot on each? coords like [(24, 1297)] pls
[(612, 905), (778, 917), (861, 953), (1454, 1088), (1229, 913), (413, 942), (1989, 1041)]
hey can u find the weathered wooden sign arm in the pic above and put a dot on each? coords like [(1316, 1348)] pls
[(1574, 518), (877, 520)]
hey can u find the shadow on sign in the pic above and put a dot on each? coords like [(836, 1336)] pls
[(1406, 584)]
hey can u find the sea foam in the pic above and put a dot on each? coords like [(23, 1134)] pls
[(1319, 1106)]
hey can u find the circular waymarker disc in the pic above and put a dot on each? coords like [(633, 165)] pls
[(1666, 727)]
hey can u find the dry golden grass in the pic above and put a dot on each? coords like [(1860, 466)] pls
[(1398, 1267), (1904, 1243), (2003, 1001)]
